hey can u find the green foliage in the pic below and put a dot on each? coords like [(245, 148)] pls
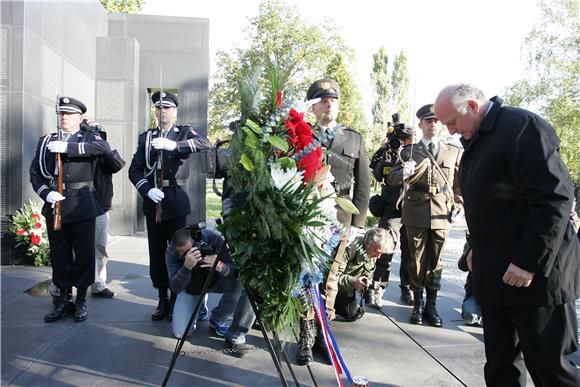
[(552, 83), (351, 112), (29, 229), (380, 83), (273, 228), (278, 34), (400, 87), (123, 6)]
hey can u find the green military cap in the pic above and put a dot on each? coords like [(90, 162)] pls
[(426, 112), (323, 88)]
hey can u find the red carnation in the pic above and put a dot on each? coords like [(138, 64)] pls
[(37, 225), (36, 216), (20, 231), (278, 98), (35, 239)]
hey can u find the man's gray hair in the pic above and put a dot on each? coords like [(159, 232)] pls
[(376, 236), (463, 92)]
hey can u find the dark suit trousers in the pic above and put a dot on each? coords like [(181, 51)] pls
[(425, 265), (158, 237), (72, 253), (544, 336)]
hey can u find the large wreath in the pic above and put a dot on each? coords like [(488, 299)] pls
[(282, 225)]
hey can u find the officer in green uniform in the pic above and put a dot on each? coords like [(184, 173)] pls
[(430, 200), (345, 152)]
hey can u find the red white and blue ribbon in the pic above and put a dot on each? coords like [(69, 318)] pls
[(336, 359)]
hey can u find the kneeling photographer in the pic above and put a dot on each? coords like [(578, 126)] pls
[(189, 259), (355, 273)]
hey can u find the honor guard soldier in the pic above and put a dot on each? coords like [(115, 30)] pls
[(159, 170), (345, 152), (429, 202), (387, 208), (70, 155)]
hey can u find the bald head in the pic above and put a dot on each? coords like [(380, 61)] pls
[(461, 108)]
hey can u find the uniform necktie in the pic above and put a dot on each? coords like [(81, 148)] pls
[(65, 136), (431, 148)]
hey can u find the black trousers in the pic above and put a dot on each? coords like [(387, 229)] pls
[(544, 336), (72, 254), (383, 266), (158, 237)]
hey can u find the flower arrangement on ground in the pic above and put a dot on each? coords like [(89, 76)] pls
[(29, 229), (282, 225)]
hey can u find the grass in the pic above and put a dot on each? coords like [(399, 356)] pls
[(213, 202)]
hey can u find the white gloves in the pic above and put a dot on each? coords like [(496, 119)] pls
[(54, 196), (57, 146), (408, 168), (156, 195), (163, 143), (354, 232)]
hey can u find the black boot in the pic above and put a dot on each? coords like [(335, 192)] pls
[(417, 314), (162, 310), (81, 312), (406, 295), (306, 341), (63, 307), (430, 314), (319, 344)]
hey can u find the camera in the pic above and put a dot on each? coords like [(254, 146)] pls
[(396, 132), (198, 242), (198, 277)]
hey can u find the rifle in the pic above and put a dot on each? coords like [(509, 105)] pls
[(159, 167), (56, 225)]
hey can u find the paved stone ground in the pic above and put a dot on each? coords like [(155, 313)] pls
[(119, 345)]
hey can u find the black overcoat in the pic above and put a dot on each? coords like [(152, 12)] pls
[(518, 195)]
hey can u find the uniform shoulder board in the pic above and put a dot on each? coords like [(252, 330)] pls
[(406, 151), (187, 128)]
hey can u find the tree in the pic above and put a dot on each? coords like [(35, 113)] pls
[(380, 83), (400, 87), (123, 6), (552, 82), (351, 112), (278, 34)]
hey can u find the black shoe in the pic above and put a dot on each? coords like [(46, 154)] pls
[(105, 293), (62, 309), (406, 296), (432, 317), (418, 308), (81, 312), (320, 348), (237, 350), (305, 342), (162, 310), (417, 315)]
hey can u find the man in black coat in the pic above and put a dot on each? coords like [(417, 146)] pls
[(72, 248), (525, 256), (170, 145)]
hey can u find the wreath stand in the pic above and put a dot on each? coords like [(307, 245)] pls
[(275, 349)]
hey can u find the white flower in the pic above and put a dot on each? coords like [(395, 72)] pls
[(281, 177), (37, 231)]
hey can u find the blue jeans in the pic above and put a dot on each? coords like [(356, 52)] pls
[(234, 309)]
